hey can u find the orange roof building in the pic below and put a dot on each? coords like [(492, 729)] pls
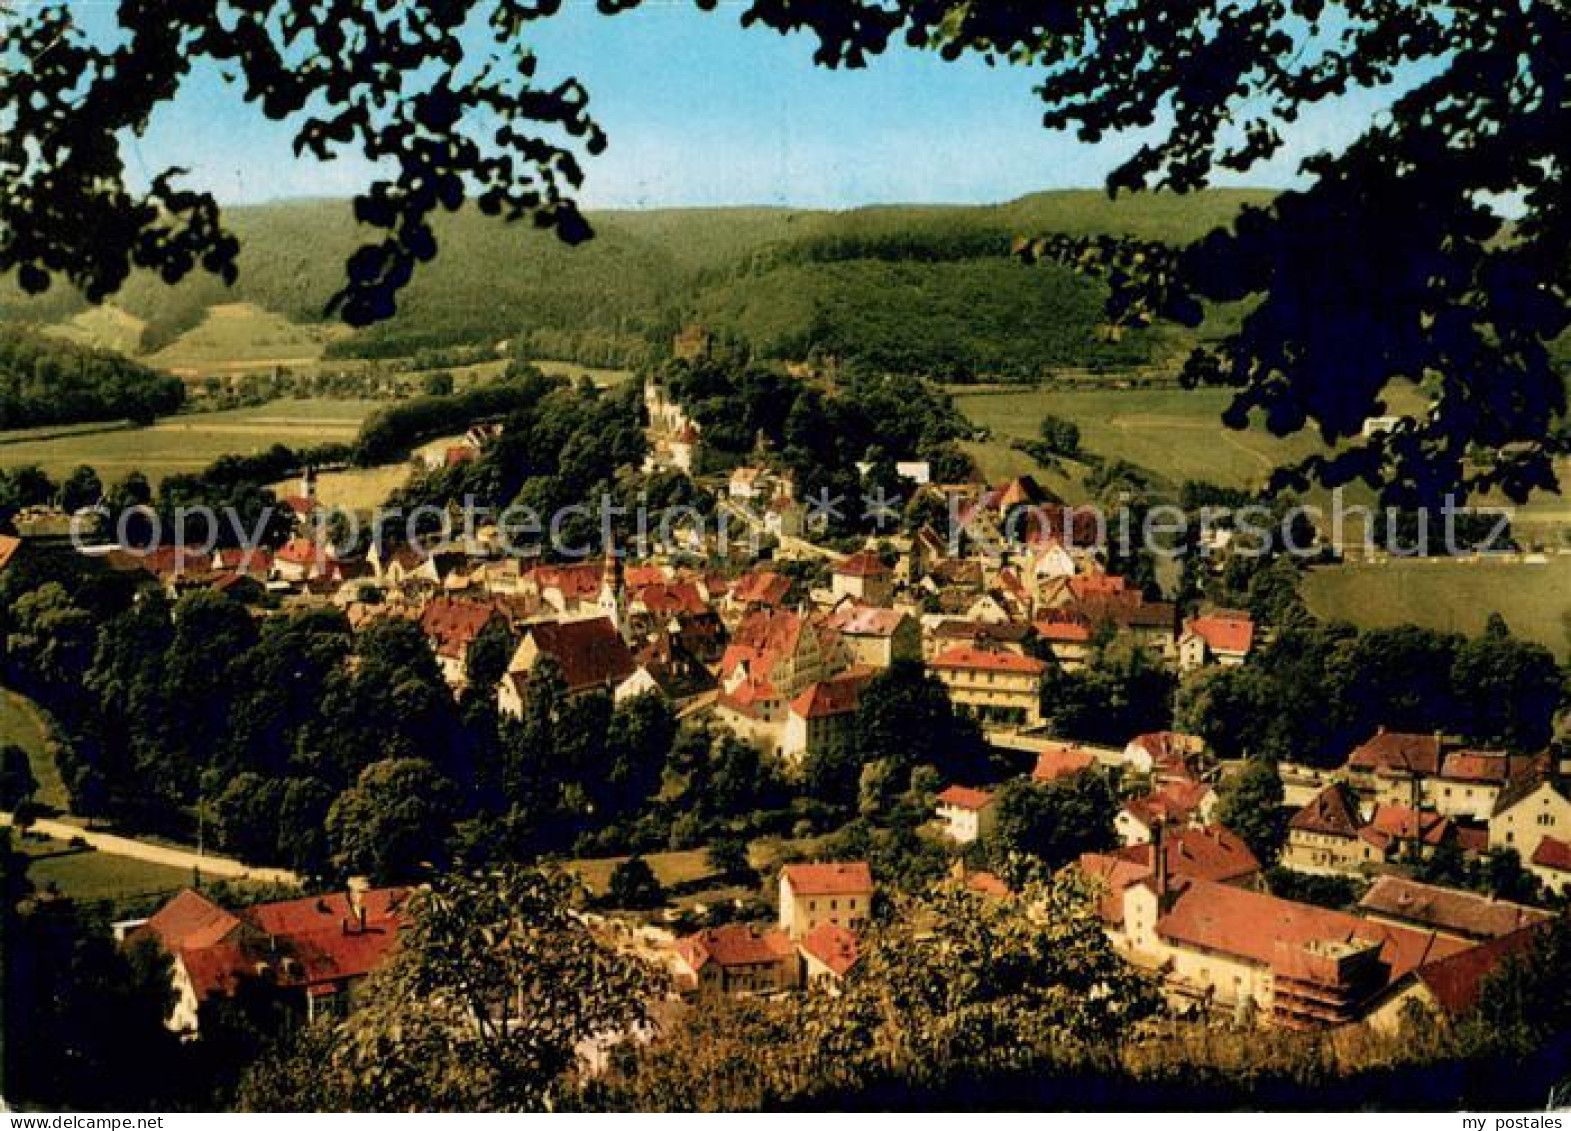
[(813, 894), (310, 951)]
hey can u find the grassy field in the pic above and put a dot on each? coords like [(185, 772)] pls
[(103, 327), (190, 442), (242, 335), (92, 875), (605, 378), (1449, 594), (355, 488), (20, 723), (1176, 433), (670, 868)]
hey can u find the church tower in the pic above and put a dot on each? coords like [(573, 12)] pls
[(613, 592)]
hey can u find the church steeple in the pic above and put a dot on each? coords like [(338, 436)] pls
[(613, 591)]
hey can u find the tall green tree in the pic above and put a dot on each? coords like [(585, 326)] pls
[(1250, 803), (495, 985), (394, 822), (1055, 822)]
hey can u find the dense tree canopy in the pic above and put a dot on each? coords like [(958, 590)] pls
[(45, 380)]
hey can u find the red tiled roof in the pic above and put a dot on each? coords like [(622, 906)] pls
[(638, 576), (834, 946), (452, 457), (1332, 811), (301, 504), (980, 630), (837, 696), (166, 561), (1280, 934), (1169, 750), (576, 582), (749, 696), (1063, 626), (1402, 823), (668, 598), (191, 920), (1491, 767), (1223, 635), (735, 944), (1552, 853), (322, 933), (964, 797), (217, 970), (1473, 839), (849, 878), (863, 563), (1446, 909), (762, 640), (1061, 761), (762, 588), (1455, 980), (1210, 853), (977, 659), (1393, 751), (313, 942), (453, 624), (1175, 802), (591, 653), (1085, 586)]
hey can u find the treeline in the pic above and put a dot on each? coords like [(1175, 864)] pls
[(1317, 690), (46, 381), (954, 320), (391, 433)]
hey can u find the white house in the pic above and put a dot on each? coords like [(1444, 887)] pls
[(967, 814)]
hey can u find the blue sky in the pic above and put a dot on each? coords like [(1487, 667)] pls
[(701, 112)]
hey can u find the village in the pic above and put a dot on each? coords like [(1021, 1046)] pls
[(781, 663)]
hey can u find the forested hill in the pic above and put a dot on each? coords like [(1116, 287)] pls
[(917, 288), (45, 381)]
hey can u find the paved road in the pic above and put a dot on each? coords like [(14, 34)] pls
[(213, 866)]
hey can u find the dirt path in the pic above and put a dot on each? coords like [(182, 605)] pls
[(219, 866)]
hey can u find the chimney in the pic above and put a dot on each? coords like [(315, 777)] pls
[(355, 894)]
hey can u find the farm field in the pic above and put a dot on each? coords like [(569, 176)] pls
[(1177, 433), (1455, 595), (242, 335), (21, 724), (354, 488), (191, 441)]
